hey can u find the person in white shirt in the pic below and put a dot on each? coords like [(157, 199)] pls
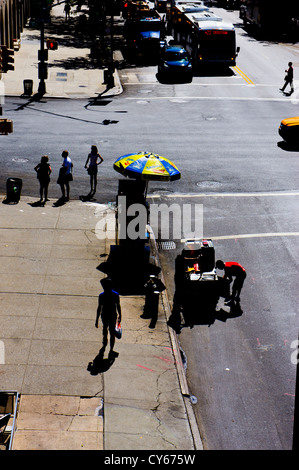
[(65, 175)]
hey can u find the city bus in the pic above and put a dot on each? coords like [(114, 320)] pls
[(206, 37), (144, 33)]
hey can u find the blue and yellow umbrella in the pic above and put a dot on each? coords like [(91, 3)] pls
[(147, 166)]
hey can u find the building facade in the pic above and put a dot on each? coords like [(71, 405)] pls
[(13, 17)]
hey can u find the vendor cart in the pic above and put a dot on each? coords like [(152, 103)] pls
[(198, 287)]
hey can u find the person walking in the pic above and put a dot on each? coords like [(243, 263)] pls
[(93, 160), (236, 270), (152, 287), (43, 170), (67, 11), (289, 78), (110, 312), (65, 175)]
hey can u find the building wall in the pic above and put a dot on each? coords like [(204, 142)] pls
[(13, 17)]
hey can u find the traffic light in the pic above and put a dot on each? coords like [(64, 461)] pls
[(42, 70), (52, 44), (6, 59)]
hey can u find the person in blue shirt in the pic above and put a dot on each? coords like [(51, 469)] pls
[(110, 312)]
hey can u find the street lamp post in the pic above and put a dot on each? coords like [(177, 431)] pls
[(111, 61), (42, 66)]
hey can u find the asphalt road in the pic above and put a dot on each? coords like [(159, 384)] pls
[(221, 131)]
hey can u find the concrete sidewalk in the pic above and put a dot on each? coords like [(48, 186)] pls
[(49, 286), (48, 299), (70, 74)]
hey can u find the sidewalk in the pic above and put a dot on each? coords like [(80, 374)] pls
[(70, 74), (49, 288), (48, 300)]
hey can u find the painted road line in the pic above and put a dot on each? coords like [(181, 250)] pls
[(197, 195), (242, 74), (193, 84), (214, 98), (247, 235)]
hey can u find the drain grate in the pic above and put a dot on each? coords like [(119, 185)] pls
[(170, 245)]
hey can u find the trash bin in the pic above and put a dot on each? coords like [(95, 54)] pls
[(28, 87), (108, 78), (13, 189)]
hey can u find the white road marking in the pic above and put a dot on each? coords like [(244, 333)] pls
[(218, 98), (236, 236), (198, 195), (248, 235)]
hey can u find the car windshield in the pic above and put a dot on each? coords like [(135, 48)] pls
[(173, 56)]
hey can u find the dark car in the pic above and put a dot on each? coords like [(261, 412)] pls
[(175, 62), (289, 130)]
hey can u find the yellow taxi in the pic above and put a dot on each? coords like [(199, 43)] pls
[(289, 130)]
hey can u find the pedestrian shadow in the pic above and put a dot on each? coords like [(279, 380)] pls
[(60, 202), (88, 198), (37, 204), (100, 365), (9, 201)]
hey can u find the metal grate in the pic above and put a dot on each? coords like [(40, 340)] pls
[(170, 245)]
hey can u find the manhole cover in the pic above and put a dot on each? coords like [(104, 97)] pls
[(170, 245)]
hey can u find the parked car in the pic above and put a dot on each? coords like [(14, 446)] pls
[(289, 130), (175, 61)]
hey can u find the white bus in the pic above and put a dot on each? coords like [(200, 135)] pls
[(205, 36)]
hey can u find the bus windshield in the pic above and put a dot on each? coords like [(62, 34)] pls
[(218, 42), (149, 26)]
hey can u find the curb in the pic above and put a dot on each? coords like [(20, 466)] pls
[(177, 353)]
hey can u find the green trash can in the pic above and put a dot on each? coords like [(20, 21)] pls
[(13, 189)]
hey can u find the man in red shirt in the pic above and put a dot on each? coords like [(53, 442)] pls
[(236, 270)]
